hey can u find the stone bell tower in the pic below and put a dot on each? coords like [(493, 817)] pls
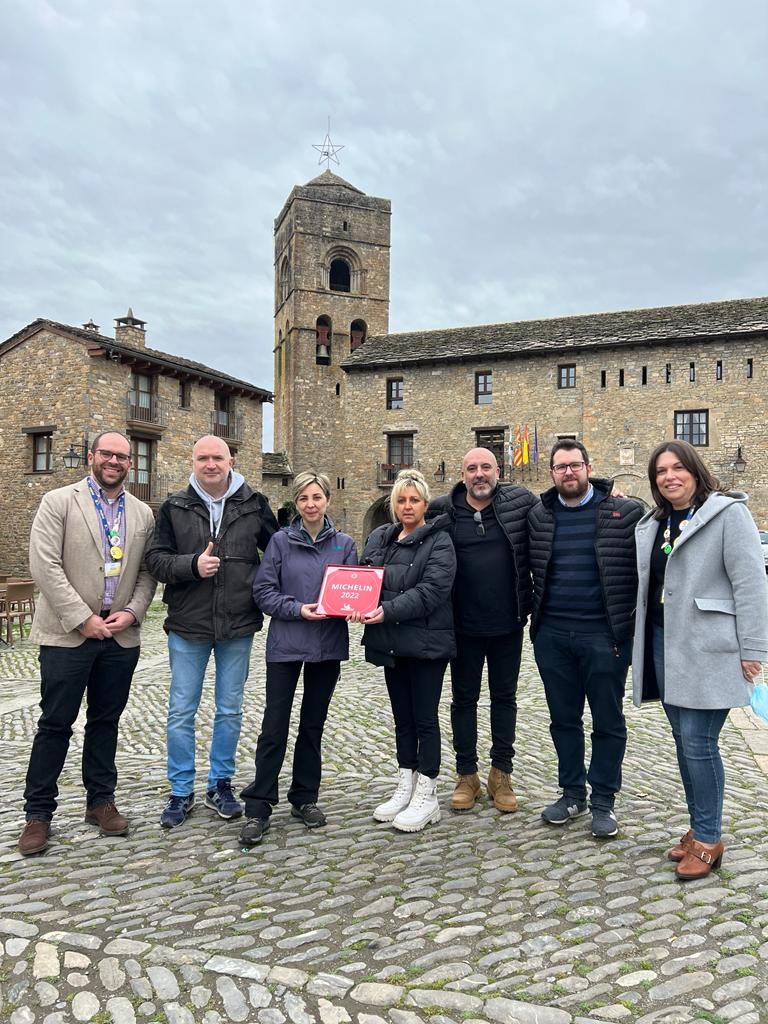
[(331, 293)]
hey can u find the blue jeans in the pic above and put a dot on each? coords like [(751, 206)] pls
[(696, 732), (189, 660)]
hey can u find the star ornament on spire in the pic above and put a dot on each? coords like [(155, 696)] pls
[(327, 150)]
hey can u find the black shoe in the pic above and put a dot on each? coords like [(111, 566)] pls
[(253, 831), (604, 824), (310, 814)]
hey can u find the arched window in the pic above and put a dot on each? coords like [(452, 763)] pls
[(285, 279), (357, 333), (323, 332), (340, 276)]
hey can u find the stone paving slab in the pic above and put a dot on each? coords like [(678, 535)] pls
[(482, 917)]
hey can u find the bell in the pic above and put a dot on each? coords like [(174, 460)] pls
[(322, 354)]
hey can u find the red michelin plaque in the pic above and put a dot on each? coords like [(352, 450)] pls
[(350, 588)]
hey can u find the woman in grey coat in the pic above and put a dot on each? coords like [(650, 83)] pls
[(701, 630)]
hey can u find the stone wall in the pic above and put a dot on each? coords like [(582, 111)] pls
[(309, 397), (618, 424), (51, 380)]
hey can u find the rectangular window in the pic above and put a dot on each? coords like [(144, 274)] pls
[(692, 372), (719, 369), (395, 393), (484, 388), (621, 378), (140, 476), (42, 452), (141, 398), (750, 368), (399, 452), (692, 425), (602, 378), (644, 375), (185, 395), (668, 374), (493, 440), (566, 376)]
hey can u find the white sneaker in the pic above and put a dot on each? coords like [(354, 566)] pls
[(422, 809), (399, 799)]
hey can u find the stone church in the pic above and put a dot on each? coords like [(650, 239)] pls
[(359, 403)]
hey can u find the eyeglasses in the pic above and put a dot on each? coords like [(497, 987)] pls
[(108, 456), (479, 528), (574, 467)]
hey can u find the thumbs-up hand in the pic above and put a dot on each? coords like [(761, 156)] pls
[(207, 564)]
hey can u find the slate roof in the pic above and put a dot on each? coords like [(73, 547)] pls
[(562, 334), (162, 360), (275, 464), (330, 180)]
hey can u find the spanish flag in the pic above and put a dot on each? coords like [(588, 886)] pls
[(526, 459)]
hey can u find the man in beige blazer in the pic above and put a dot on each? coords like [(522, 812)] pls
[(86, 554)]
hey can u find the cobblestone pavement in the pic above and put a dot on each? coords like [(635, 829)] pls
[(481, 917)]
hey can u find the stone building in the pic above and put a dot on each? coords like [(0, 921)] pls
[(60, 386), (360, 403)]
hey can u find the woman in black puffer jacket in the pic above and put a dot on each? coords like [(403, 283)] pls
[(411, 635)]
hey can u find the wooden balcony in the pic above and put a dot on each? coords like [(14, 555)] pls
[(148, 414), (227, 426)]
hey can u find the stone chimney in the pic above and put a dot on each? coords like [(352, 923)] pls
[(129, 330), (91, 326)]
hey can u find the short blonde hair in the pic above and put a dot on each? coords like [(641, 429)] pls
[(308, 477), (407, 478)]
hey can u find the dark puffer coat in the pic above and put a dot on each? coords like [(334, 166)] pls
[(220, 607), (511, 505), (614, 548), (415, 595)]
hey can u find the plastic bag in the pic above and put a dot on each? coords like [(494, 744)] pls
[(759, 699)]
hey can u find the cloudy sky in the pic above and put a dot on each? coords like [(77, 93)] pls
[(543, 157)]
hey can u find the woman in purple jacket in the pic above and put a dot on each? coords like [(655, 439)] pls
[(286, 587)]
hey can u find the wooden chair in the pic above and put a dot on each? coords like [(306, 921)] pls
[(18, 604)]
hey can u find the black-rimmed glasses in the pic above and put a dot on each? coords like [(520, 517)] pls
[(574, 467), (108, 456), (479, 528)]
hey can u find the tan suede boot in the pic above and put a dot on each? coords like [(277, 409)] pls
[(465, 794), (500, 791)]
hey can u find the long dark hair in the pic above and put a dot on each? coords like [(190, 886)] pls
[(706, 482)]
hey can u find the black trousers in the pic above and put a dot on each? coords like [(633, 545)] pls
[(102, 670), (414, 686), (575, 667), (320, 678), (503, 655)]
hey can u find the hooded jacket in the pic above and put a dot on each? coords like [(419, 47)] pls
[(290, 576), (415, 593), (219, 607), (715, 607), (614, 549)]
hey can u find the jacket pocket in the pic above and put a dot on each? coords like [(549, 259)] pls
[(714, 630), (716, 604)]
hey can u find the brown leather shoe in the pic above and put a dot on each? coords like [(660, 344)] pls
[(109, 820), (699, 860), (679, 850), (500, 791), (465, 793), (35, 837)]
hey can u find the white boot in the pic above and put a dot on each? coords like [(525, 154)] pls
[(422, 809), (399, 799)]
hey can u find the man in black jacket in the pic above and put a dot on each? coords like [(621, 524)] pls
[(582, 548), (491, 601), (205, 551)]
